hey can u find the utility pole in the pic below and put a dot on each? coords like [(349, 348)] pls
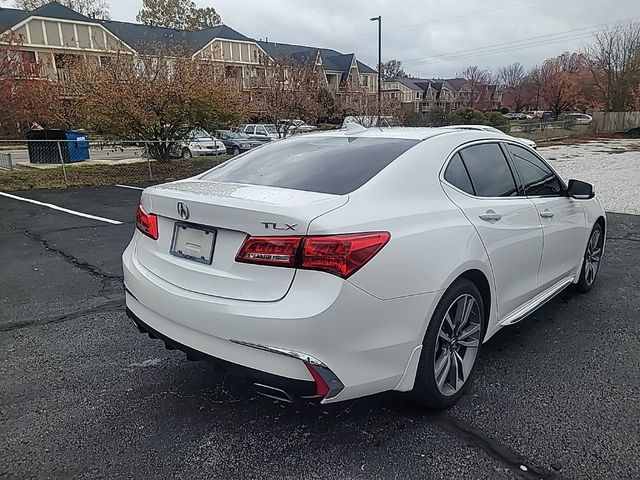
[(379, 20)]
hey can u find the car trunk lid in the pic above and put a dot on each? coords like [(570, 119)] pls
[(229, 212)]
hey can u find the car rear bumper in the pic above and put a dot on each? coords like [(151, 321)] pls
[(206, 152), (360, 344), (291, 388)]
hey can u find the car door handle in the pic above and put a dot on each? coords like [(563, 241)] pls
[(490, 216), (546, 213)]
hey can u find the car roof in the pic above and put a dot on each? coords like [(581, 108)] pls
[(408, 133), (486, 128)]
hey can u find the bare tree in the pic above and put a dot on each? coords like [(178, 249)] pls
[(558, 87), (287, 89), (90, 8), (614, 61), (356, 102), (511, 76), (477, 78), (180, 14), (393, 69), (512, 79)]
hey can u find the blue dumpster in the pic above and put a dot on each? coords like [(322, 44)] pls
[(78, 144)]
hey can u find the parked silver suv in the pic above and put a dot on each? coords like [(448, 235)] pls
[(260, 131)]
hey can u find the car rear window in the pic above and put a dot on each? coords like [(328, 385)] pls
[(335, 165)]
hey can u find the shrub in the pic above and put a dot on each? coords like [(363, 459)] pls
[(495, 119), (468, 116)]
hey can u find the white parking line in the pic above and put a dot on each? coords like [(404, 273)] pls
[(62, 209), (128, 186)]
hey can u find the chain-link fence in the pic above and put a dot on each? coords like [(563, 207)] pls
[(77, 163)]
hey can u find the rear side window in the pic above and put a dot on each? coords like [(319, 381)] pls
[(456, 174), (537, 178), (489, 172), (335, 165)]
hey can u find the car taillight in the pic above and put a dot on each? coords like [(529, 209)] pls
[(147, 223), (275, 251), (340, 255)]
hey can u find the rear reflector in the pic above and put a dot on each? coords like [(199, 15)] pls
[(147, 223), (321, 386), (340, 255)]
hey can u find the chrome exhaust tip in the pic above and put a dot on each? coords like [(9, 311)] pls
[(272, 392)]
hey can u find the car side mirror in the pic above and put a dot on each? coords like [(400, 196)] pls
[(580, 190)]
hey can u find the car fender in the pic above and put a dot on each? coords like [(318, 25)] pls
[(408, 378), (593, 210)]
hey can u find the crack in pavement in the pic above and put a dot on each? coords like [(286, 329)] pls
[(108, 281), (110, 306), (69, 258), (505, 455), (81, 227), (629, 237)]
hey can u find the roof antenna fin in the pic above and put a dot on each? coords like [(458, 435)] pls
[(353, 128)]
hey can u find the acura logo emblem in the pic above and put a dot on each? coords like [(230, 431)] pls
[(183, 211)]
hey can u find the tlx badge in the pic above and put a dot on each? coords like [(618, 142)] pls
[(276, 226)]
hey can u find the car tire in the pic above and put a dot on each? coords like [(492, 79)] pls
[(446, 367), (186, 153), (591, 260), (236, 151)]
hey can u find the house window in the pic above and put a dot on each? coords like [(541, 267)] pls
[(28, 56), (417, 95), (25, 62), (365, 80), (23, 56), (105, 61)]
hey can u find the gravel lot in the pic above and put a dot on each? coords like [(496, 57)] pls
[(612, 166), (84, 395)]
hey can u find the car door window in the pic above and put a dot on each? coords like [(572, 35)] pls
[(489, 171), (537, 178), (456, 174)]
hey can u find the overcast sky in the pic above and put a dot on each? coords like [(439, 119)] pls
[(423, 34)]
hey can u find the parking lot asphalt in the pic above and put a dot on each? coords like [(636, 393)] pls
[(84, 395)]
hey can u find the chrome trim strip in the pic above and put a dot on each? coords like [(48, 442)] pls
[(282, 351), (537, 301), (331, 379)]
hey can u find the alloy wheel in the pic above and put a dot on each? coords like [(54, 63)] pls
[(457, 344), (592, 257)]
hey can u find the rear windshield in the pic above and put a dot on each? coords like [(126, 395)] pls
[(335, 165)]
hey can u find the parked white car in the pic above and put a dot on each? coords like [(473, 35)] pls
[(337, 265), (487, 128), (298, 126), (578, 118), (200, 143), (517, 116)]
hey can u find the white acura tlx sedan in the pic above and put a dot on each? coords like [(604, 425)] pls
[(342, 264)]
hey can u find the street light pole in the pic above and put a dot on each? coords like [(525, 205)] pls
[(379, 20)]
